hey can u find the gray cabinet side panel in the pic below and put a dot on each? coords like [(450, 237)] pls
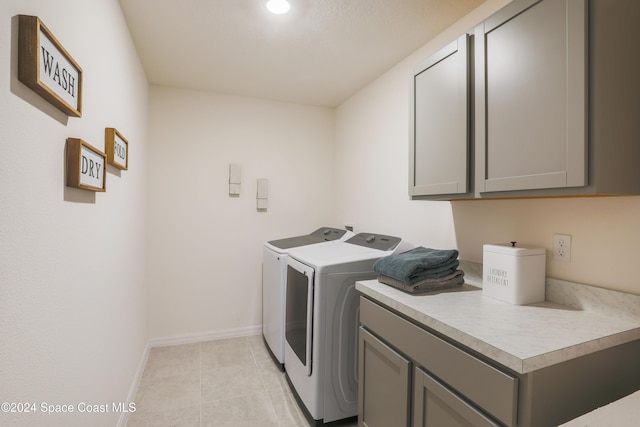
[(561, 392), (614, 59)]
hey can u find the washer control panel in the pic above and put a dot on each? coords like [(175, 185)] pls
[(327, 233)]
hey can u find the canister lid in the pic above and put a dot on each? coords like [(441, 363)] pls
[(517, 249)]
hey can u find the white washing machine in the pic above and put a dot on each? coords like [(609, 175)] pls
[(321, 321), (274, 270)]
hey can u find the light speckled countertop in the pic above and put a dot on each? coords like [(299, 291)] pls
[(574, 321)]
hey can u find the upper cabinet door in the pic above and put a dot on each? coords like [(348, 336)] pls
[(439, 122), (531, 96)]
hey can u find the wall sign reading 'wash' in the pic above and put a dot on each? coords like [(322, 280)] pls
[(117, 148), (85, 166), (47, 68)]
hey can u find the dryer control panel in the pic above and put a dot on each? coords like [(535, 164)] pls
[(324, 234), (375, 241)]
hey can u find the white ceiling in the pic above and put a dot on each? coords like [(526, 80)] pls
[(320, 53)]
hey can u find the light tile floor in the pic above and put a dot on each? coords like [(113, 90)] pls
[(230, 382)]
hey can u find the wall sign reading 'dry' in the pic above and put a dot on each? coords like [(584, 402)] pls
[(85, 166), (47, 68)]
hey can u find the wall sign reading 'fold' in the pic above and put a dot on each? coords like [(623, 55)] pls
[(117, 148), (47, 68)]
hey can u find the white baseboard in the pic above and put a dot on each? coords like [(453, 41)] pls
[(205, 336), (133, 390), (177, 340)]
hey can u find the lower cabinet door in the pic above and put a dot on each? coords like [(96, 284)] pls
[(434, 405), (383, 384)]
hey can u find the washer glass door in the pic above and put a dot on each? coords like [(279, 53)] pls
[(299, 310)]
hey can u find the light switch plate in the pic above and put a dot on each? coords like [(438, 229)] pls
[(262, 194), (235, 179)]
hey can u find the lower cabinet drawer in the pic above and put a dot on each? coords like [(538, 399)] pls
[(490, 389)]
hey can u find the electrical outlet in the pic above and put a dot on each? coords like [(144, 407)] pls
[(562, 247)]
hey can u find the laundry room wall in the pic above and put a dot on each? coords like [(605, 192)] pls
[(205, 246), (72, 272), (373, 125)]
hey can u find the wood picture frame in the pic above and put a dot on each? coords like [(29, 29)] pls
[(117, 148), (46, 67), (85, 166)]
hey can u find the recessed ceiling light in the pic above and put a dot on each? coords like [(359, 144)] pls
[(278, 6)]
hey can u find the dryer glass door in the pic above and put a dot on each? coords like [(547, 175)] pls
[(299, 310)]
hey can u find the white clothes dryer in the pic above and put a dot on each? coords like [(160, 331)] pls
[(321, 321), (274, 269)]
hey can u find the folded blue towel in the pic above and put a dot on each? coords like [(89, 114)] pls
[(452, 280), (418, 264)]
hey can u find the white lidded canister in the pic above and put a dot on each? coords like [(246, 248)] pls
[(513, 273)]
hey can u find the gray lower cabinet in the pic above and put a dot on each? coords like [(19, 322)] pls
[(409, 376), (384, 390), (394, 354)]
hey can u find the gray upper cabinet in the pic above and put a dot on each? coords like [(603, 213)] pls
[(555, 106), (531, 100), (439, 122)]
